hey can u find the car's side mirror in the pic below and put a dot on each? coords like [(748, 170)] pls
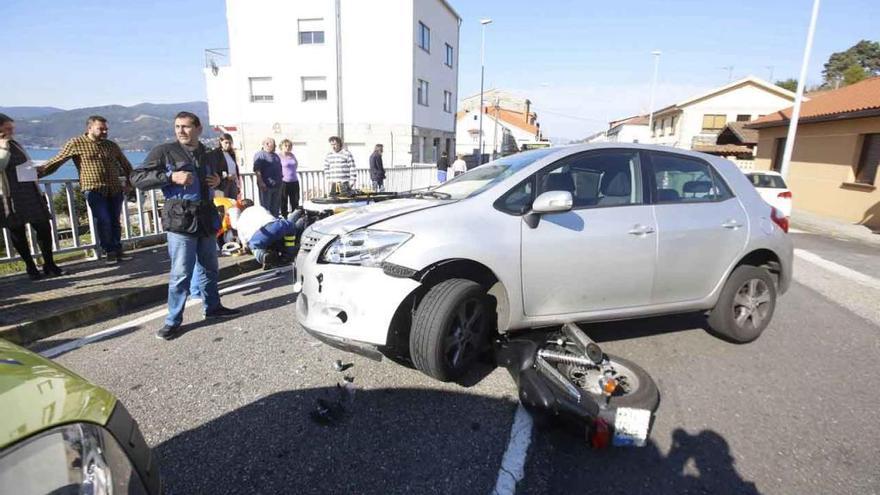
[(548, 202)]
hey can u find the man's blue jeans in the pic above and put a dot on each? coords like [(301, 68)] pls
[(186, 251), (270, 199), (106, 210)]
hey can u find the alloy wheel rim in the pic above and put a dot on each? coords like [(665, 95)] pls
[(751, 304), (465, 332)]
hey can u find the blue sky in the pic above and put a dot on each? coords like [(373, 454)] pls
[(581, 62)]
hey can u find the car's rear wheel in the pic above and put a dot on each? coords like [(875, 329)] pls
[(746, 304), (451, 328)]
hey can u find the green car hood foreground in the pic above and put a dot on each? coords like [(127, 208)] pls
[(37, 394)]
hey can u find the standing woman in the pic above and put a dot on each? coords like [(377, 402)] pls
[(290, 190), (231, 184), (22, 203)]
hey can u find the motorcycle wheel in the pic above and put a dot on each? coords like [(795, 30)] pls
[(636, 390)]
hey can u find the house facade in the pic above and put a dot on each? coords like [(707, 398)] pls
[(508, 124), (833, 169), (699, 120), (384, 71), (628, 130)]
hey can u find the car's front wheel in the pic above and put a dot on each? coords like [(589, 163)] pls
[(746, 304), (451, 329)]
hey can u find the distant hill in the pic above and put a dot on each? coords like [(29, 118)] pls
[(138, 127), (26, 113)]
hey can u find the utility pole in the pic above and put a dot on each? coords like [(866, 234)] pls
[(771, 67), (656, 54), (483, 23), (799, 96)]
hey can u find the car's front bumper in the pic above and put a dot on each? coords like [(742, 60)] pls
[(349, 304)]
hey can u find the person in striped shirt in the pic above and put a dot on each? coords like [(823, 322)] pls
[(339, 171)]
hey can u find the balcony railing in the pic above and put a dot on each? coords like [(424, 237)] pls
[(74, 230)]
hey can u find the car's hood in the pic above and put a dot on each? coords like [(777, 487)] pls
[(364, 216), (37, 394)]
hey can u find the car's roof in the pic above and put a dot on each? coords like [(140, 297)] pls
[(38, 394)]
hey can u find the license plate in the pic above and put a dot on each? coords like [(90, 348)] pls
[(631, 427)]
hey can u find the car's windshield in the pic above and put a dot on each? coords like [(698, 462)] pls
[(486, 176), (767, 180)]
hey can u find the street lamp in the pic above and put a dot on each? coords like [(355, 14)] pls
[(483, 23), (656, 54), (799, 95)]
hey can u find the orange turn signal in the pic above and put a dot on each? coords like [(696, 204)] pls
[(609, 386)]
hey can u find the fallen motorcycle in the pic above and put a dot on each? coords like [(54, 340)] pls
[(566, 377)]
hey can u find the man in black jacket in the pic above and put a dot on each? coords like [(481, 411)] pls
[(442, 167), (377, 169), (187, 174)]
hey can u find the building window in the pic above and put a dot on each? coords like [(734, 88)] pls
[(713, 123), (423, 92), (866, 173), (447, 102), (450, 56), (311, 31), (672, 127), (261, 89), (654, 129), (663, 127), (743, 117), (314, 88), (424, 37), (777, 155)]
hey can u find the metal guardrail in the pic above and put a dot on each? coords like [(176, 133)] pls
[(141, 219)]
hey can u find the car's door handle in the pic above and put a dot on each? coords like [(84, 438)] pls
[(641, 230), (731, 224)]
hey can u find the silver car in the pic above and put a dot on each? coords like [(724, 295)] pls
[(537, 239)]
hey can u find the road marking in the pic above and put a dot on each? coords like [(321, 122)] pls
[(841, 270), (514, 461), (103, 334)]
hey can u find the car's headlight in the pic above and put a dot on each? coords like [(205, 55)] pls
[(75, 458), (363, 247)]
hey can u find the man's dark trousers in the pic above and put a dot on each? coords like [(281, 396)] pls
[(106, 210)]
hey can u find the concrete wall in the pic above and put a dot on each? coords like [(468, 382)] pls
[(431, 67), (823, 167), (630, 134)]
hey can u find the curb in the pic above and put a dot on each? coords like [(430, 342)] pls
[(815, 228), (25, 333)]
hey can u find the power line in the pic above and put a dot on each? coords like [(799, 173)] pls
[(551, 112)]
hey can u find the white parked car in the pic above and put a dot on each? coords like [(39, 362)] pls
[(538, 239), (771, 186)]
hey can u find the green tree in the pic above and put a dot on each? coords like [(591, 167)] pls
[(854, 73), (59, 202), (865, 54), (789, 84)]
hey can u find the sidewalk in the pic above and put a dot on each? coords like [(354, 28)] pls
[(817, 224), (91, 292)]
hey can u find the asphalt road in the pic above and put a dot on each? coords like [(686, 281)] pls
[(228, 406)]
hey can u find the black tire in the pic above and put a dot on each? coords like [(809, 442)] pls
[(440, 346), (745, 306), (642, 392)]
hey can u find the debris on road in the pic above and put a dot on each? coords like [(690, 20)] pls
[(340, 366)]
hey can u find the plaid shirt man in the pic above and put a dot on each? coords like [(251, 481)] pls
[(100, 164)]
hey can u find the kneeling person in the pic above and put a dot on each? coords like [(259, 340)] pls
[(272, 240)]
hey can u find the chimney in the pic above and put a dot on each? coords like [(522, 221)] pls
[(528, 106)]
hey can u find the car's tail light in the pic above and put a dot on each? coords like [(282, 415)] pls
[(784, 195), (779, 219)]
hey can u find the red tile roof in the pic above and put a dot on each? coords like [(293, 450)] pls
[(860, 97), (511, 117)]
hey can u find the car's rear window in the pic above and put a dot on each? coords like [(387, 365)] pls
[(767, 180)]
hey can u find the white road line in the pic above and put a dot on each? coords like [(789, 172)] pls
[(514, 461), (841, 270), (103, 334)]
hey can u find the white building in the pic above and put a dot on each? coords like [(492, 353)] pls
[(698, 120), (508, 123), (628, 130), (378, 71)]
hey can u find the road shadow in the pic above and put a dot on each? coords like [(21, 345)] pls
[(699, 463), (409, 440), (644, 327), (386, 441)]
